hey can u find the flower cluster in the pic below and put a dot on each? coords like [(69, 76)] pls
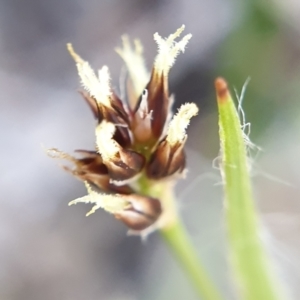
[(138, 140)]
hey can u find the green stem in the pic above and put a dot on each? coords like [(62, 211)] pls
[(177, 239), (179, 243)]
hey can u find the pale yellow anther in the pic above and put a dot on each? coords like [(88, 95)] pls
[(177, 127), (168, 50), (98, 87), (106, 145), (110, 203), (133, 58)]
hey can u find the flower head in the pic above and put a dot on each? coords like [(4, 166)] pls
[(137, 139)]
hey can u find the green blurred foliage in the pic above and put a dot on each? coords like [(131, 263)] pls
[(261, 47)]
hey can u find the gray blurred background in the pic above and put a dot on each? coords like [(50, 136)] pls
[(51, 251)]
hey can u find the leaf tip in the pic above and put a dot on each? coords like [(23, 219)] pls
[(221, 89)]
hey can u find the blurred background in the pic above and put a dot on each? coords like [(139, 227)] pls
[(51, 251)]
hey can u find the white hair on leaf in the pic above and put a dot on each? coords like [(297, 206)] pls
[(135, 63), (98, 87), (110, 203), (106, 145), (177, 127), (168, 50)]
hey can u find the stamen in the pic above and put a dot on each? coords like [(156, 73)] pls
[(98, 87), (168, 50), (177, 127), (106, 145), (134, 61), (110, 203)]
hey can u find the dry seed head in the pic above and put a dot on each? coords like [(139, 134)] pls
[(140, 140), (168, 50), (98, 87), (177, 127), (110, 203)]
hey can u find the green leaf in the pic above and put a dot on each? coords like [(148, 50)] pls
[(253, 272)]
